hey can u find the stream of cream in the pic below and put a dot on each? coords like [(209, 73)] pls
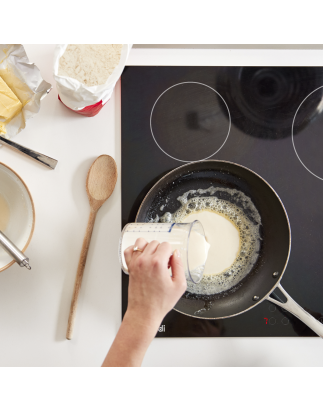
[(223, 238)]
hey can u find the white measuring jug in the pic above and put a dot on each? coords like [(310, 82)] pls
[(187, 238)]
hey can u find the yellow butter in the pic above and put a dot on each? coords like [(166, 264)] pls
[(2, 128), (10, 105)]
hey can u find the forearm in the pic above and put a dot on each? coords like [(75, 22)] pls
[(132, 341)]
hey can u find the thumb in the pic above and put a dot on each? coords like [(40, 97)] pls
[(178, 274)]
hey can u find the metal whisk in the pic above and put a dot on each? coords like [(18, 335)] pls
[(12, 250)]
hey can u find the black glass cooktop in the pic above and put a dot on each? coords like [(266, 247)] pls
[(268, 119)]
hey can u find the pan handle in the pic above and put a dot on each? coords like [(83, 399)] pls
[(299, 312)]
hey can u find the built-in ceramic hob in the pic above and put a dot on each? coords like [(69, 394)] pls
[(268, 119)]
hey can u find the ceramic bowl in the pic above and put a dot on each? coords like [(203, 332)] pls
[(21, 221)]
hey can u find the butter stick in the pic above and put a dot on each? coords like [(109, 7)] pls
[(10, 105)]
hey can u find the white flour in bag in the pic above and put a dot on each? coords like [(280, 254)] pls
[(90, 64)]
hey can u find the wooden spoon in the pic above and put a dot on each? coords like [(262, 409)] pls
[(100, 183)]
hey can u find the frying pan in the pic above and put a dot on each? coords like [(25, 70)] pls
[(266, 273)]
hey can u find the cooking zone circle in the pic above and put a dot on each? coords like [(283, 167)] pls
[(263, 100), (306, 144), (190, 121)]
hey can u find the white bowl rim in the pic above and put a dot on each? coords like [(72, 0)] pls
[(34, 216)]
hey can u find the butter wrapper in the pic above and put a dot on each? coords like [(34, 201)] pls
[(25, 81)]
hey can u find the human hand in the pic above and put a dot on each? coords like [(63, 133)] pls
[(152, 291)]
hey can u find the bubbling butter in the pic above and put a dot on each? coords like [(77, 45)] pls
[(243, 234)]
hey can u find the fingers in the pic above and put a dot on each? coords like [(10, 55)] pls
[(151, 247), (129, 253), (162, 256), (178, 274), (140, 243), (164, 252)]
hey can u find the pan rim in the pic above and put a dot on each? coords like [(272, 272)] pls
[(278, 280)]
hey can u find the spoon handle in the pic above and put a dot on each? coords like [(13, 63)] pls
[(41, 158), (79, 274)]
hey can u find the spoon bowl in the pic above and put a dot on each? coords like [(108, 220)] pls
[(101, 180)]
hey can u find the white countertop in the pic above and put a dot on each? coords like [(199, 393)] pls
[(34, 306)]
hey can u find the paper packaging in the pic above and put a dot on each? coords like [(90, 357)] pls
[(83, 99), (25, 80)]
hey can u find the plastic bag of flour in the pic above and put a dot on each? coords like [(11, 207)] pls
[(83, 99)]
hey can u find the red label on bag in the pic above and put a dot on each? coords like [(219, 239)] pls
[(88, 111)]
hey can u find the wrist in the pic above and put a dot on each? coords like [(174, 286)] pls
[(132, 341), (143, 323)]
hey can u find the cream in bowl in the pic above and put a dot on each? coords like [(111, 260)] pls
[(4, 214), (17, 213)]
